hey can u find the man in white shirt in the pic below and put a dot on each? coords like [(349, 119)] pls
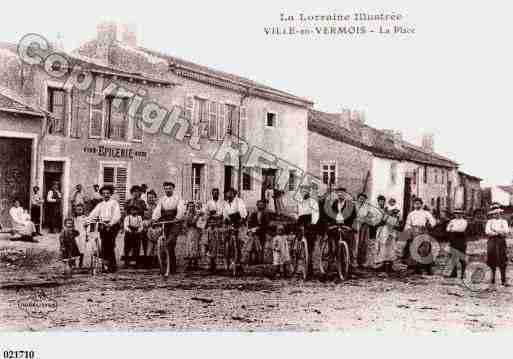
[(170, 207), (307, 216), (497, 229), (235, 213), (418, 222), (456, 228), (109, 215)]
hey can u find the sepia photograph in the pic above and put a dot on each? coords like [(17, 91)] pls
[(286, 167)]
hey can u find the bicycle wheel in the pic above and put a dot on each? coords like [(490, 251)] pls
[(325, 257), (343, 260)]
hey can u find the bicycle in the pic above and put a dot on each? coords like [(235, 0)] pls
[(299, 253), (163, 248), (215, 241), (233, 249), (337, 252), (96, 247)]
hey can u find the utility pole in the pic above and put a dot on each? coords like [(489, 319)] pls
[(244, 96)]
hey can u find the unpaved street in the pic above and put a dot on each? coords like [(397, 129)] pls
[(141, 300)]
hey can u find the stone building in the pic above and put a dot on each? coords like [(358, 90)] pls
[(112, 112), (468, 192)]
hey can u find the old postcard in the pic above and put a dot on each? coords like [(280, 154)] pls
[(254, 167)]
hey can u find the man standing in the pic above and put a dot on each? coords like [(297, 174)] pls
[(214, 209), (456, 229), (258, 227), (35, 209), (235, 213), (53, 204), (307, 217), (496, 230), (109, 215), (170, 207), (139, 239), (418, 222)]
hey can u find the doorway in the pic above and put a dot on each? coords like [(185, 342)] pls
[(407, 198), (53, 171), (268, 179), (228, 177)]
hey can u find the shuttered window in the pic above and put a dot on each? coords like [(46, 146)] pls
[(243, 122), (57, 106), (116, 175), (116, 118), (231, 120), (221, 120), (246, 179), (189, 113), (77, 113), (201, 115), (212, 125), (95, 122)]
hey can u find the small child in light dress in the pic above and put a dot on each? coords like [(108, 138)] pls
[(193, 237), (68, 244), (281, 252)]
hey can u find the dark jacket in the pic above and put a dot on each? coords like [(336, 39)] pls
[(264, 221), (328, 215)]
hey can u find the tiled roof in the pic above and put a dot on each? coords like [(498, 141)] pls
[(373, 140), (469, 176), (188, 69), (11, 102)]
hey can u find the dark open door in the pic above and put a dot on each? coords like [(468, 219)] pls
[(15, 166), (407, 198)]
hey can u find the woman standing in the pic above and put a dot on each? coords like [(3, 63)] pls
[(36, 202), (386, 237)]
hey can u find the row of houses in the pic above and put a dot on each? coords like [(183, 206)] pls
[(246, 134)]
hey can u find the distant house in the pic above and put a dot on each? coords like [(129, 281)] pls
[(497, 194), (468, 192)]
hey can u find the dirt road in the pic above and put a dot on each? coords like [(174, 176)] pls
[(141, 300)]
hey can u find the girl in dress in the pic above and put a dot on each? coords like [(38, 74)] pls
[(193, 237)]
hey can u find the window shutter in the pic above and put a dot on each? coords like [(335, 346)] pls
[(243, 122), (187, 182), (76, 113), (189, 113), (120, 187), (222, 110), (204, 183), (108, 176), (95, 122), (205, 114), (212, 128)]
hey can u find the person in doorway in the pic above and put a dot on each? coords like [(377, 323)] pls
[(36, 201), (269, 198), (109, 215), (53, 204), (418, 222), (457, 229), (496, 229), (21, 222)]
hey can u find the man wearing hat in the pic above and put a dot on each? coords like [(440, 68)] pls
[(457, 229), (496, 229), (109, 214), (307, 214), (418, 222)]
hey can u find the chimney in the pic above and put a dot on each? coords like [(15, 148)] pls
[(128, 34), (106, 35), (428, 142), (345, 117)]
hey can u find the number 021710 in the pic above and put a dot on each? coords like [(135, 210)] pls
[(18, 354)]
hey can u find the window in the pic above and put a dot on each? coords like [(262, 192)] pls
[(443, 176), (201, 115), (393, 173), (116, 175), (57, 106), (246, 179), (196, 182), (231, 119), (432, 202), (270, 119), (292, 180), (328, 173), (213, 123), (116, 118), (436, 175), (414, 178), (425, 174)]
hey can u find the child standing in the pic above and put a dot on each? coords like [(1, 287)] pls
[(133, 226), (69, 248), (281, 253), (193, 237), (457, 228), (83, 246)]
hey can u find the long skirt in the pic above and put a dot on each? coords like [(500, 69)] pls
[(192, 247), (496, 252), (385, 243)]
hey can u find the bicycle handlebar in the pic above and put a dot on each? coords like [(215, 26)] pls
[(341, 227)]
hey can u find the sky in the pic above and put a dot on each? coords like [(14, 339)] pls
[(450, 78)]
